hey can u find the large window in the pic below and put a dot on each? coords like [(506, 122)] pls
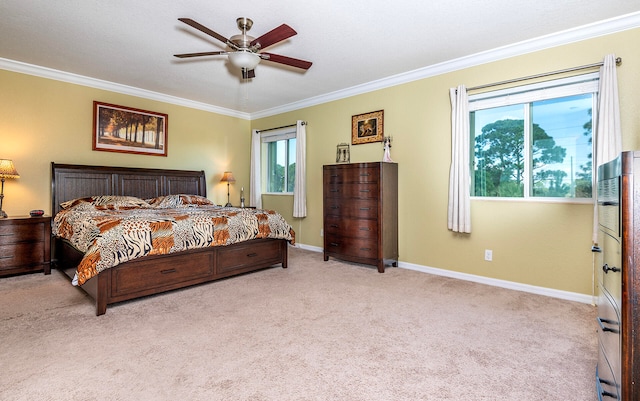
[(279, 161), (534, 141)]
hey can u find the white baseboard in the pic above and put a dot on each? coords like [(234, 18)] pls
[(309, 247), (549, 292)]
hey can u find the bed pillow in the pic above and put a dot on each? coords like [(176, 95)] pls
[(176, 201), (110, 202)]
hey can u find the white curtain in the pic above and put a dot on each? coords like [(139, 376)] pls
[(254, 185), (608, 134), (300, 185), (459, 209)]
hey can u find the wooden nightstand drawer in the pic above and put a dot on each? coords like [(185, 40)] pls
[(11, 234), (14, 255), (25, 245)]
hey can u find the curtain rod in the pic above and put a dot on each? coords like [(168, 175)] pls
[(544, 74), (284, 126)]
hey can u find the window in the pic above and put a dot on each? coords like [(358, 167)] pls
[(534, 141), (278, 161)]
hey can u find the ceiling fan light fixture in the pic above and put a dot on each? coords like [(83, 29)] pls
[(244, 59)]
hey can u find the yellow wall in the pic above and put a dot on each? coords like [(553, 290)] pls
[(541, 244), (45, 120)]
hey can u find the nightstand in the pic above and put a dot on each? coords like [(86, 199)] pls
[(25, 244)]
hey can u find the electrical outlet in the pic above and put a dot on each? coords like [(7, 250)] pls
[(322, 232), (488, 255)]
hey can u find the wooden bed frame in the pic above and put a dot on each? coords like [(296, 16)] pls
[(151, 274)]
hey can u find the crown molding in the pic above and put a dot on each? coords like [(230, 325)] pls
[(601, 28), (590, 31), (49, 73)]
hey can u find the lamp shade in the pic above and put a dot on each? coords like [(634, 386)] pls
[(7, 169), (228, 177), (244, 59)]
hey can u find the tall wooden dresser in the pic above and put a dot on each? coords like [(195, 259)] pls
[(618, 321), (361, 213)]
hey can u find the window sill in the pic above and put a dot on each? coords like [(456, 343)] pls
[(578, 201)]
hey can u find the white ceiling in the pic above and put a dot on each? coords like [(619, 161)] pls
[(352, 44)]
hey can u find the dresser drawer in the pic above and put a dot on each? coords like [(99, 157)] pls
[(22, 254), (244, 257), (148, 275), (609, 327), (358, 247), (14, 233), (357, 208), (607, 385), (610, 272), (361, 228), (361, 191), (351, 174)]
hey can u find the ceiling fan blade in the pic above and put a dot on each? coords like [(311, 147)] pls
[(187, 55), (208, 31), (272, 37), (294, 62), (247, 74)]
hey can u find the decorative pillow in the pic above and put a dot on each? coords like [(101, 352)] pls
[(113, 202), (175, 201)]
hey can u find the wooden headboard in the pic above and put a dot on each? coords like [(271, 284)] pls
[(71, 181)]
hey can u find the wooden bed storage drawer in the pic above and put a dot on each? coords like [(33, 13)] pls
[(242, 257), (148, 274)]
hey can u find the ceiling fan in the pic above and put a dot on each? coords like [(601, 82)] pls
[(245, 51)]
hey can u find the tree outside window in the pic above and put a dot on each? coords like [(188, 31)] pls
[(534, 149)]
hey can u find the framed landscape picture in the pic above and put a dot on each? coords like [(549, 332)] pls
[(368, 127), (127, 130)]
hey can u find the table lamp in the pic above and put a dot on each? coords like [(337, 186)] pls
[(7, 170), (228, 178)]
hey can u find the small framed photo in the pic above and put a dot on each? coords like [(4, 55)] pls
[(367, 128), (127, 130), (342, 153)]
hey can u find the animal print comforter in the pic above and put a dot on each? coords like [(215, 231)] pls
[(112, 230)]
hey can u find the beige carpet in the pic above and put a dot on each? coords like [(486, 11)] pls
[(315, 331)]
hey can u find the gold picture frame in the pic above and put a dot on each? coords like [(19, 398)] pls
[(367, 127)]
